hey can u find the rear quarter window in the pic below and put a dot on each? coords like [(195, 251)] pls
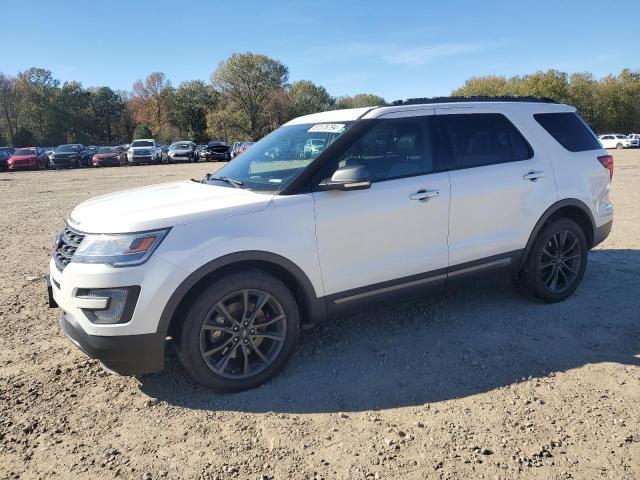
[(569, 130), (478, 139)]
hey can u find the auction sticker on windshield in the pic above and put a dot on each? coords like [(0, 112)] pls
[(327, 127)]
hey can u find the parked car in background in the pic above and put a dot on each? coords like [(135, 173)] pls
[(200, 149), (30, 158), (183, 151), (86, 155), (313, 147), (217, 151), (244, 146), (635, 139), (164, 153), (108, 157), (5, 153), (234, 148), (230, 267), (144, 150), (614, 140), (67, 156)]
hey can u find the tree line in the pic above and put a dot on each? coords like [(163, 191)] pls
[(609, 104), (246, 97)]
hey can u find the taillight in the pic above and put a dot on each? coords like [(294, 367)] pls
[(607, 162)]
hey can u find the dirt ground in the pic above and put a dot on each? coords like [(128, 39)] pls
[(477, 382)]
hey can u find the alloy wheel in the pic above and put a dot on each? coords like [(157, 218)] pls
[(559, 262), (242, 334)]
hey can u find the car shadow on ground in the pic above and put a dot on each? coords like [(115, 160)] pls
[(476, 337)]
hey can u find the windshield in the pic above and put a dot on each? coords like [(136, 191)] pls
[(273, 162), (67, 148), (142, 143), (106, 150), (24, 151), (180, 146)]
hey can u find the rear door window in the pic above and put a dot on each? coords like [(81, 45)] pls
[(477, 139), (569, 130)]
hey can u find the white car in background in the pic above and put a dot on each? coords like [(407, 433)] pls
[(615, 140), (635, 139)]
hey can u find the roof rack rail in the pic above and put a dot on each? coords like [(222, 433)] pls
[(474, 98)]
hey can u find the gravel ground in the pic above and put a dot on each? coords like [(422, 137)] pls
[(477, 382)]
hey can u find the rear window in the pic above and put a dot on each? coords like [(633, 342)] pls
[(478, 139), (569, 130)]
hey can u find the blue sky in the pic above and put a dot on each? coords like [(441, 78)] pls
[(397, 49)]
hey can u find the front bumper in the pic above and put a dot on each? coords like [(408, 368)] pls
[(125, 355), (63, 162)]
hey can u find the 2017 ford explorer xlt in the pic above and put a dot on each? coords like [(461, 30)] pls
[(400, 199)]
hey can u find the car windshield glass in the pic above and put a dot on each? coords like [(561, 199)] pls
[(24, 151), (273, 162), (180, 146), (142, 143), (106, 150), (621, 136), (67, 148)]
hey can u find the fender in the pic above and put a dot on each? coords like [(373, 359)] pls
[(568, 202), (316, 306)]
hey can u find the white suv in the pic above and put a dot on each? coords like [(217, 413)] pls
[(144, 150), (402, 199)]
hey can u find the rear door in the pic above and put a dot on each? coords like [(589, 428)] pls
[(500, 185)]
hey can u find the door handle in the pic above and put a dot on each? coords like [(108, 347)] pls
[(533, 175), (424, 194)]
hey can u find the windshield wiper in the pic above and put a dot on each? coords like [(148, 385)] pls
[(235, 183)]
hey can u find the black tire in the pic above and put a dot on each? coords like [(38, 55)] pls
[(554, 268), (619, 146), (194, 337)]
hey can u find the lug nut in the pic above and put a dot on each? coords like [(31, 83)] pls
[(235, 339), (253, 330), (246, 324), (235, 329)]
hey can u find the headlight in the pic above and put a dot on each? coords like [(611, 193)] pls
[(122, 250)]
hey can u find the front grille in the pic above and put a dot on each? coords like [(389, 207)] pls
[(67, 242)]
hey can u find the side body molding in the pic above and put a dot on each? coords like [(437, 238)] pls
[(317, 310)]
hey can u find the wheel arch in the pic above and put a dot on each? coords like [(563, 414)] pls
[(571, 208), (312, 308)]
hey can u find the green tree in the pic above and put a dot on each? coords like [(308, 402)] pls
[(24, 138), (248, 81), (37, 90), (9, 105), (187, 109), (107, 108), (360, 100), (307, 97), (142, 131)]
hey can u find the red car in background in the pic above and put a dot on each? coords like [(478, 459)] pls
[(29, 158), (109, 157), (244, 146)]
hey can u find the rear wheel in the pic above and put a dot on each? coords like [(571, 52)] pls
[(556, 263), (619, 146), (239, 332)]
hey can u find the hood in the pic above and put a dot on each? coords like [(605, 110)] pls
[(102, 156), (22, 157), (163, 205), (142, 148)]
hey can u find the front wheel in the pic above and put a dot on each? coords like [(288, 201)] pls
[(239, 332), (619, 146), (556, 263)]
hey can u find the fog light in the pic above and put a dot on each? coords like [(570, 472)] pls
[(120, 303)]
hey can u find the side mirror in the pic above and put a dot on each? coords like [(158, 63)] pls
[(349, 177)]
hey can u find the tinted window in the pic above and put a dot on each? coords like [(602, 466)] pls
[(394, 149), (477, 139), (569, 130)]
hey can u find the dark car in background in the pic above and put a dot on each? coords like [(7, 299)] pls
[(183, 151), (109, 157), (67, 156), (30, 158), (217, 151), (5, 153), (86, 155)]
